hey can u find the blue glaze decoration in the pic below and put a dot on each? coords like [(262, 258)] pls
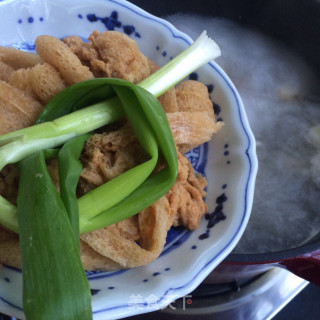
[(226, 153), (167, 269), (210, 87), (216, 108), (204, 235), (145, 280), (221, 199), (92, 17), (110, 288), (7, 279), (224, 186), (112, 22), (95, 275), (129, 30), (30, 20), (198, 158), (176, 237), (94, 291), (11, 304), (164, 53), (155, 274), (194, 247), (216, 216), (193, 76), (25, 46)]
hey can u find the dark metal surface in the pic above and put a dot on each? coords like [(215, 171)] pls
[(295, 22)]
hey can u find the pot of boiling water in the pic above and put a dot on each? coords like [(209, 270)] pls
[(283, 106), (271, 50)]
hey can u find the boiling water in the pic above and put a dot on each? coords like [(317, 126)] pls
[(279, 92)]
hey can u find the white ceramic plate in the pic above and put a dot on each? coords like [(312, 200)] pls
[(228, 161)]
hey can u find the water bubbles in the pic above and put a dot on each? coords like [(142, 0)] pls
[(278, 90)]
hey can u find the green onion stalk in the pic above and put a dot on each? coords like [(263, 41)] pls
[(56, 125)]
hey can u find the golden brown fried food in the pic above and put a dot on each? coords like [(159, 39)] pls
[(168, 101), (18, 109), (111, 54), (21, 80), (185, 199), (193, 96), (18, 59), (46, 82), (9, 179), (129, 228), (91, 260), (42, 82), (83, 50), (190, 129), (59, 55), (107, 155), (9, 248), (109, 243), (5, 71)]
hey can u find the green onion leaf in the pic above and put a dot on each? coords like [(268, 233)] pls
[(69, 172), (54, 283)]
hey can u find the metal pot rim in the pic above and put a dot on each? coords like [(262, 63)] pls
[(305, 249)]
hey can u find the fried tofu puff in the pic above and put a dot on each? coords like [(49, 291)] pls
[(18, 59), (59, 55), (18, 109), (42, 81), (111, 54), (5, 71)]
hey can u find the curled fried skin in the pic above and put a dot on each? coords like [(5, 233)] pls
[(153, 231), (59, 55), (18, 59), (111, 54), (18, 109), (5, 71)]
